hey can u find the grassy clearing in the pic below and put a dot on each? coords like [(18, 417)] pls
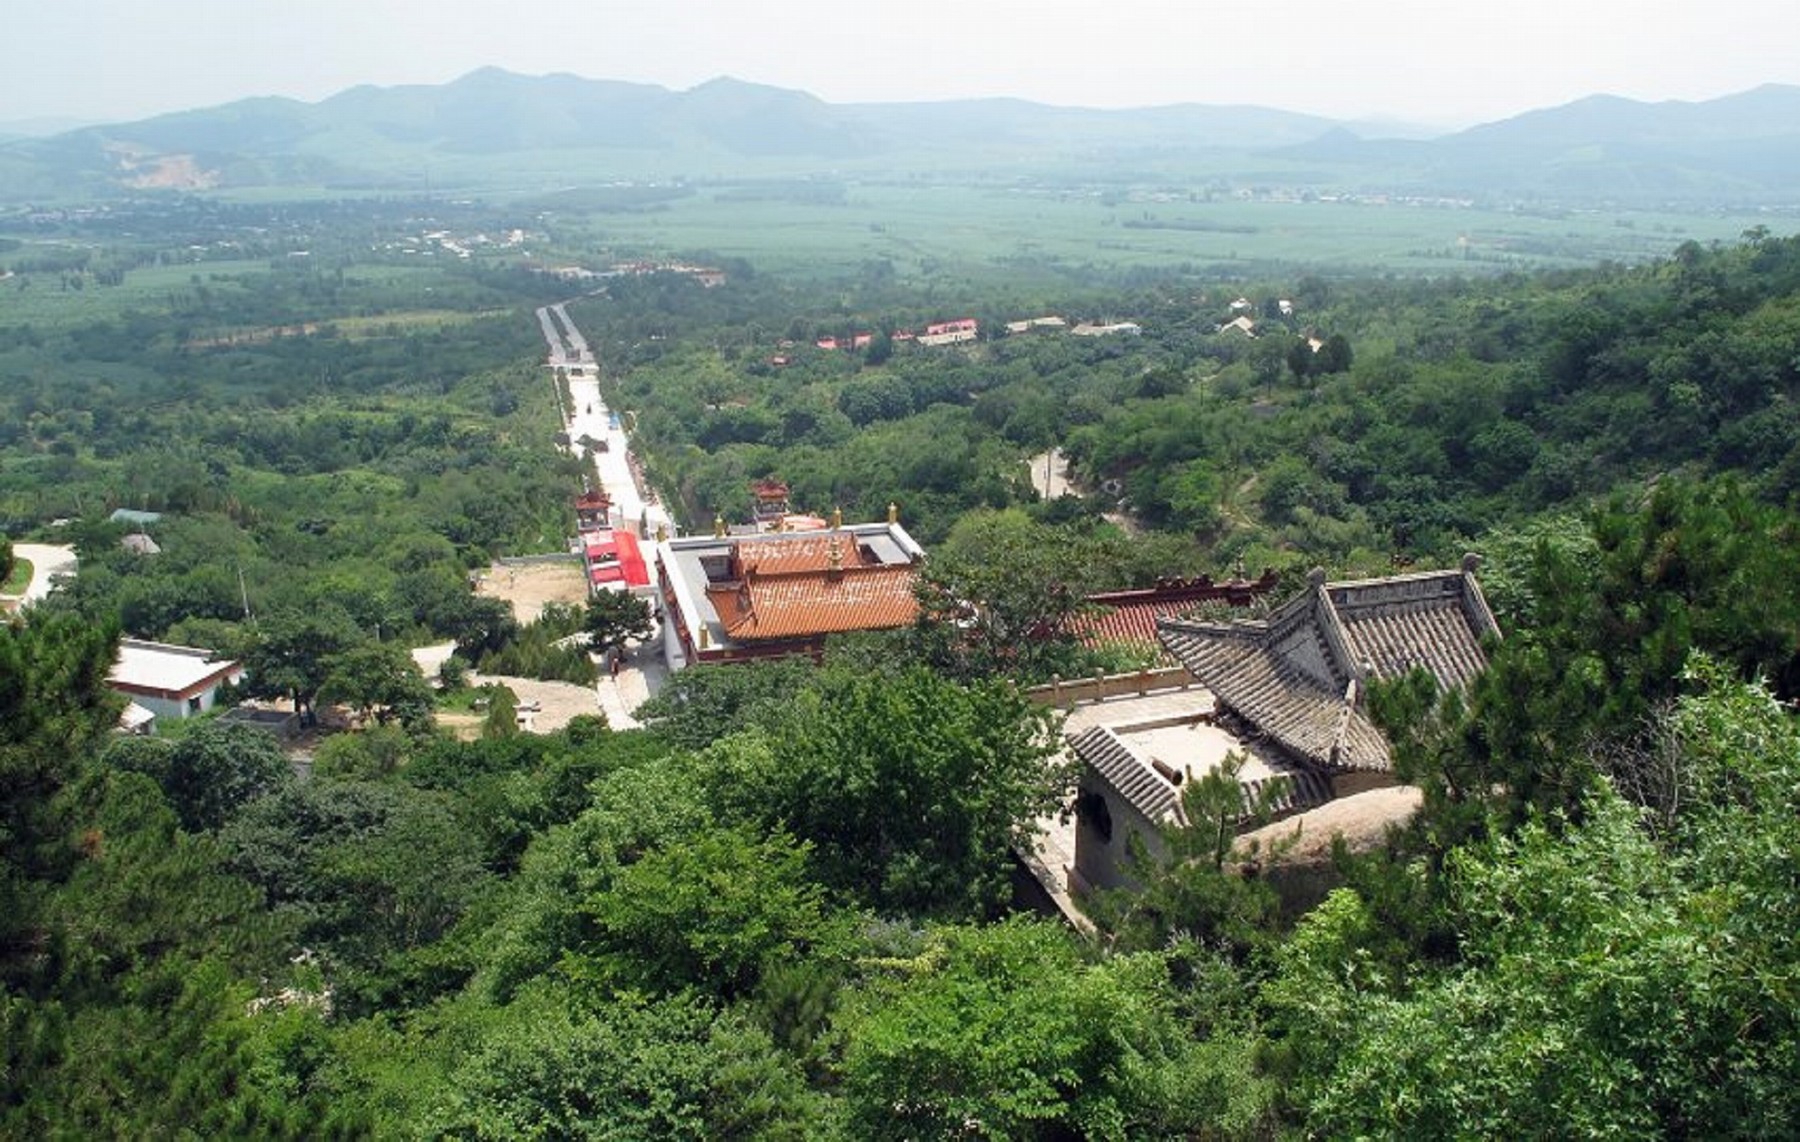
[(40, 300), (395, 324), (19, 579)]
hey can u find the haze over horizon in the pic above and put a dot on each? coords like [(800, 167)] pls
[(1414, 61)]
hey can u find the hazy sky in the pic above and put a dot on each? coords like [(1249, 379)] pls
[(1432, 61)]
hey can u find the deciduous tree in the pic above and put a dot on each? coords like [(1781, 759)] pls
[(913, 790), (1005, 1031), (293, 652)]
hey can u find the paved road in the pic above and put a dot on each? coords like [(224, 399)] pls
[(48, 562), (635, 507)]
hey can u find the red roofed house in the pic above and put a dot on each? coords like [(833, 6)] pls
[(729, 598), (614, 561)]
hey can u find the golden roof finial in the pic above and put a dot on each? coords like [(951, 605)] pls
[(837, 518), (893, 512)]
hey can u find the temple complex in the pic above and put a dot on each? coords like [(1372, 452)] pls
[(1287, 693)]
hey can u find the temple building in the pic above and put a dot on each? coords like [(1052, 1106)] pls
[(1287, 692), (1129, 618), (768, 504), (610, 556), (730, 598), (593, 510)]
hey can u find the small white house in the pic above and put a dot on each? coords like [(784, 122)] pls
[(171, 681)]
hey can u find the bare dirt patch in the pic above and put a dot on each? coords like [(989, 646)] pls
[(531, 588), (544, 707)]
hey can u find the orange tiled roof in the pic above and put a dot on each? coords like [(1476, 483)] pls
[(813, 602), (1130, 616), (1129, 622), (788, 556)]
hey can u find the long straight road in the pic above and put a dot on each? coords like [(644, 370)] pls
[(635, 506)]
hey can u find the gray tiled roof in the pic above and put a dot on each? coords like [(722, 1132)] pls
[(1435, 620), (1158, 799), (1144, 788), (1298, 675), (1295, 792)]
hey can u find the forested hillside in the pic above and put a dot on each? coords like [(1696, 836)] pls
[(1428, 414), (782, 910)]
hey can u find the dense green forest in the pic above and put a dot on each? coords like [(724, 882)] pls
[(782, 909)]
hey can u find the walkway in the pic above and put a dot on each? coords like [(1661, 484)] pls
[(640, 676)]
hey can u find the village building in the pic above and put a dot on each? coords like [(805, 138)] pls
[(1286, 692), (950, 332), (166, 681), (729, 598), (1107, 329), (854, 341), (614, 561), (709, 277)]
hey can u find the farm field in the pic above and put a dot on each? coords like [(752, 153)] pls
[(1060, 231)]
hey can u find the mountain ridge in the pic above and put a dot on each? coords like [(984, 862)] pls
[(1742, 147)]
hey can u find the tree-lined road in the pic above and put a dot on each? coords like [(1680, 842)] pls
[(634, 506)]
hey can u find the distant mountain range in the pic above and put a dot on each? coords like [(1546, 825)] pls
[(495, 131)]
